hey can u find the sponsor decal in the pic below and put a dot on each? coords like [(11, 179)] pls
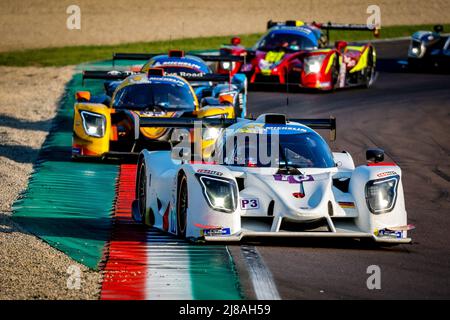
[(212, 172), (116, 73), (262, 128), (216, 232), (187, 74), (299, 195), (138, 79), (381, 164), (305, 30), (179, 64), (76, 150), (286, 128), (252, 128), (346, 205), (166, 79), (249, 203), (293, 179), (396, 234), (386, 174)]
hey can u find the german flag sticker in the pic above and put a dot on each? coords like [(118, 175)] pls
[(347, 205)]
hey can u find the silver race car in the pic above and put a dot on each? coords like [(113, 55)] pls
[(269, 177)]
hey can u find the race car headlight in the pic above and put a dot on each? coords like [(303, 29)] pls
[(381, 194), (313, 64), (221, 194), (416, 49), (226, 65), (93, 123)]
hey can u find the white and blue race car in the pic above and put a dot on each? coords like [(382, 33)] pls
[(298, 189)]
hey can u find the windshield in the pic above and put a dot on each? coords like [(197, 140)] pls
[(154, 96), (284, 41), (303, 150)]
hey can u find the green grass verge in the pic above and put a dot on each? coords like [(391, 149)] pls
[(62, 56)]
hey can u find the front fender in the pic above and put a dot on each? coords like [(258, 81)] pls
[(368, 221), (201, 216), (84, 144)]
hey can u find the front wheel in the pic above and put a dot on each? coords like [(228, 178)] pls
[(182, 206), (370, 69), (335, 73), (141, 193)]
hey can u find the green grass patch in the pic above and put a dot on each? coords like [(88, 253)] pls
[(62, 56)]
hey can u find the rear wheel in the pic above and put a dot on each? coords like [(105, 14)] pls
[(182, 206)]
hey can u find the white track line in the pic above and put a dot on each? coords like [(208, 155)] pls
[(168, 273), (260, 275)]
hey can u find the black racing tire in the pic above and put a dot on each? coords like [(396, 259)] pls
[(141, 190), (182, 206), (370, 69), (335, 72)]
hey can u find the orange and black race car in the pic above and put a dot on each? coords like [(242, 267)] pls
[(108, 126)]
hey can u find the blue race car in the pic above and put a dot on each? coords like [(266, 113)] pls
[(430, 51), (220, 90)]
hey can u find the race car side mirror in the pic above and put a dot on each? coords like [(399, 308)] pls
[(438, 28), (226, 99), (83, 96), (340, 45), (375, 155)]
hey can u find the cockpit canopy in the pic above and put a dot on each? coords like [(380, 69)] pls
[(280, 149), (155, 96)]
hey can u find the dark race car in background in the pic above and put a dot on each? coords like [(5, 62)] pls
[(233, 90), (297, 53), (429, 51)]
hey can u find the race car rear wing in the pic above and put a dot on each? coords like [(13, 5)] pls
[(148, 56), (218, 58), (159, 122), (316, 124), (343, 26), (327, 26), (120, 75), (106, 75)]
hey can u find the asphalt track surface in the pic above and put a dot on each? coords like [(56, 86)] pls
[(406, 114)]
